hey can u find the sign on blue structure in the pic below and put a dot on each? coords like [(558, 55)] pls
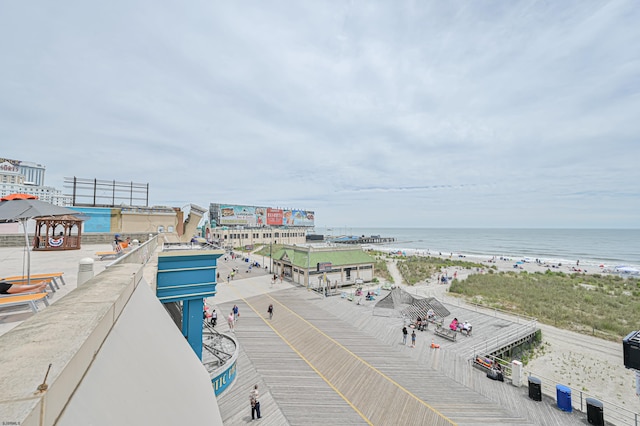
[(221, 381)]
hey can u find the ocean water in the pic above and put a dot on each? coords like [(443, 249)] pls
[(593, 247)]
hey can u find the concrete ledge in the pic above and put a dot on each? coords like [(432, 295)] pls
[(67, 335)]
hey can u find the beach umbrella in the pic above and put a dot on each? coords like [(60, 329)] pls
[(21, 208)]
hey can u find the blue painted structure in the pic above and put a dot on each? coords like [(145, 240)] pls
[(188, 276), (224, 379), (99, 219)]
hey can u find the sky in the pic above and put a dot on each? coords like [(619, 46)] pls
[(371, 114)]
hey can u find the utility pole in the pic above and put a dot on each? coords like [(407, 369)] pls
[(308, 266)]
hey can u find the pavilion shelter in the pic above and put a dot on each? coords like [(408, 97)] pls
[(58, 233)]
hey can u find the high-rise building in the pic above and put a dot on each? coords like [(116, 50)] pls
[(33, 173), (28, 178)]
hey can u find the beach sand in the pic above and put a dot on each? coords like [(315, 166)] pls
[(585, 363)]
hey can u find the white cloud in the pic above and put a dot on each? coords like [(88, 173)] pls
[(427, 113)]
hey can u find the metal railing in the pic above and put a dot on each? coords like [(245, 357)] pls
[(140, 254), (491, 345)]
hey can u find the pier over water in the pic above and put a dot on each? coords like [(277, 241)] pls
[(354, 239)]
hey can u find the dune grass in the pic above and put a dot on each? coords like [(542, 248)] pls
[(415, 269), (606, 305)]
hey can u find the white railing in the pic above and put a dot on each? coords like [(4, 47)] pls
[(140, 254)]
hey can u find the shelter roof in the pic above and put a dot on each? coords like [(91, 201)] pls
[(298, 257)]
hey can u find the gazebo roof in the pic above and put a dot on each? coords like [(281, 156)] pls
[(63, 218)]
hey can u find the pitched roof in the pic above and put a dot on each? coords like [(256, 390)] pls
[(336, 258)]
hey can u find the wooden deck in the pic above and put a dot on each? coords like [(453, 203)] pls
[(330, 361)]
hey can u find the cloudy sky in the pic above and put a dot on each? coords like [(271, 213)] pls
[(388, 113)]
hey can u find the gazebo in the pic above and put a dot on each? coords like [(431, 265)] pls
[(58, 233)]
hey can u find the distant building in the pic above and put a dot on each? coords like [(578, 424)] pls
[(239, 236), (316, 266), (33, 173), (28, 178)]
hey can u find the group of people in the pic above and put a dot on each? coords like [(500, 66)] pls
[(421, 324), (211, 316), (233, 318), (464, 327), (405, 333)]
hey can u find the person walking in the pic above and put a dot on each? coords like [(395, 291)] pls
[(270, 310), (231, 321), (236, 313), (404, 335), (413, 339), (214, 318), (255, 403)]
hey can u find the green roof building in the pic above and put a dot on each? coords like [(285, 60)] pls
[(323, 266)]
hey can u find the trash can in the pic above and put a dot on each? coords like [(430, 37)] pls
[(595, 414), (563, 395), (535, 388)]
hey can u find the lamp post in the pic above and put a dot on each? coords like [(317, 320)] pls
[(270, 259)]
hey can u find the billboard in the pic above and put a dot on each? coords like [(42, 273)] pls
[(298, 218), (252, 216), (237, 215), (274, 217)]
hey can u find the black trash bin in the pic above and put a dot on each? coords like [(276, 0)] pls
[(595, 414), (535, 388)]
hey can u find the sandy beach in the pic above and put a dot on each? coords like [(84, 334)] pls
[(592, 365)]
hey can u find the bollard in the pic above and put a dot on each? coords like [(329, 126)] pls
[(85, 270), (517, 373)]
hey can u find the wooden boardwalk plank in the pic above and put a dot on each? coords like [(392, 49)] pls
[(357, 372)]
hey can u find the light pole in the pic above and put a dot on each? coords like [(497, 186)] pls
[(270, 259)]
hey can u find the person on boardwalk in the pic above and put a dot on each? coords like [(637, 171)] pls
[(231, 321), (214, 318), (236, 313), (404, 335), (413, 339), (255, 404), (270, 310)]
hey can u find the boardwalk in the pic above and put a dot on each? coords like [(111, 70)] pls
[(326, 361)]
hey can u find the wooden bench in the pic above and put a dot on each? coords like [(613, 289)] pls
[(438, 322), (57, 278), (24, 299), (446, 333)]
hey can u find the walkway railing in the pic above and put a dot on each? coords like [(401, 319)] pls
[(502, 341), (140, 254)]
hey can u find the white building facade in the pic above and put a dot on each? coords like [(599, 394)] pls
[(28, 178)]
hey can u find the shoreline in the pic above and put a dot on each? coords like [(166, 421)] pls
[(506, 262)]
